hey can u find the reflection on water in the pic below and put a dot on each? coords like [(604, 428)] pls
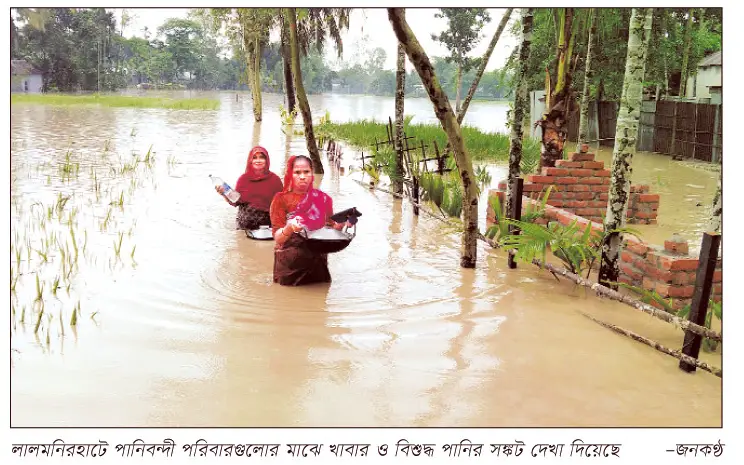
[(183, 326)]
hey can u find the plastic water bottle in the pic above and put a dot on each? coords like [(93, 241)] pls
[(231, 195)]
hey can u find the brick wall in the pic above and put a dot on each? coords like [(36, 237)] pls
[(581, 186), (669, 270)]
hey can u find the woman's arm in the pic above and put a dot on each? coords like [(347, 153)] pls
[(221, 190), (278, 212)]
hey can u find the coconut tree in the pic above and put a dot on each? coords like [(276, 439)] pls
[(448, 120), (625, 142), (400, 87), (588, 77), (520, 105)]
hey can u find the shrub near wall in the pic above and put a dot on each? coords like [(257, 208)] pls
[(668, 270)]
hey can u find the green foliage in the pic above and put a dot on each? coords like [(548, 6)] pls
[(531, 213), (463, 33), (578, 249), (116, 101), (480, 146), (714, 309)]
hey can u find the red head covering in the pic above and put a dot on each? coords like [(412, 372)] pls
[(315, 205), (253, 175), (258, 188)]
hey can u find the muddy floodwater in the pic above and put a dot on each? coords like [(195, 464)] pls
[(137, 303)]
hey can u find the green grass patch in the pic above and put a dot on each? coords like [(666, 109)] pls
[(481, 146), (116, 101)]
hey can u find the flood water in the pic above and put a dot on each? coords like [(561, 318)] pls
[(180, 324)]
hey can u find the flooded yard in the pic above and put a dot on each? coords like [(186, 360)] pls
[(177, 322)]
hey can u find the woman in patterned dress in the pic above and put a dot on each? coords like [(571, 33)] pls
[(257, 187), (299, 206)]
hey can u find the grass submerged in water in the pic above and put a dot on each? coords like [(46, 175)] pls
[(481, 146), (116, 101)]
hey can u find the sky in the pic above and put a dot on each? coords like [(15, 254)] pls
[(369, 29)]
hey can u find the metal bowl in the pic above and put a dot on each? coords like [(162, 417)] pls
[(326, 240)]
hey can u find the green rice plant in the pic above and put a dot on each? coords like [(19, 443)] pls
[(38, 318), (55, 286), (74, 317), (115, 101), (117, 246), (39, 289), (61, 324), (483, 178), (23, 315)]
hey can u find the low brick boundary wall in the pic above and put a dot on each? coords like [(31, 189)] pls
[(669, 270), (581, 185)]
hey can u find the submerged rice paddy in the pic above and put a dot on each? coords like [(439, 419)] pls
[(117, 101)]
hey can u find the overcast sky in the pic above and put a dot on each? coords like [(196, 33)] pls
[(369, 28)]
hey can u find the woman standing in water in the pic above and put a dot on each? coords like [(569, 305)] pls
[(299, 206), (257, 187)]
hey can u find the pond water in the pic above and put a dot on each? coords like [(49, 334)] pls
[(179, 323)]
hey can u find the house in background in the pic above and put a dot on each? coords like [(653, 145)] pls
[(24, 77), (706, 84)]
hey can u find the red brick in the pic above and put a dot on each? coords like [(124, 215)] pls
[(625, 279), (636, 247), (579, 188), (644, 215), (582, 157), (626, 256), (602, 173), (558, 203), (569, 195), (717, 276), (528, 187), (581, 172), (590, 180), (599, 188), (604, 196), (647, 198), (663, 289), (550, 171), (681, 291), (684, 264), (536, 178), (628, 270), (606, 181), (649, 283), (676, 247), (682, 278), (597, 204), (567, 180), (576, 203), (584, 195), (568, 164), (718, 289), (593, 165)]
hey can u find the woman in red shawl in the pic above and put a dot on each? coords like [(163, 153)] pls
[(299, 206), (257, 187)]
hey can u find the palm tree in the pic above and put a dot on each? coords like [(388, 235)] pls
[(625, 141), (400, 88), (588, 76)]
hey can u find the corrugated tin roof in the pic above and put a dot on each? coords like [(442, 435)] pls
[(713, 59), (22, 68)]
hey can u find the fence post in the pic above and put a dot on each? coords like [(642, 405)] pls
[(672, 147), (515, 213), (715, 148), (699, 306), (415, 194)]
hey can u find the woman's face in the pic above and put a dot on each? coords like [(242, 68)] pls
[(301, 175), (259, 162)]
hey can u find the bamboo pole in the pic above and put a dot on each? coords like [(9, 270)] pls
[(674, 353), (603, 291)]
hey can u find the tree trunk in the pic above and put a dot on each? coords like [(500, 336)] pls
[(520, 104), (686, 55), (400, 87), (287, 61), (559, 102), (717, 216), (482, 68), (307, 117), (443, 110), (625, 141), (256, 82), (457, 90), (588, 76)]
